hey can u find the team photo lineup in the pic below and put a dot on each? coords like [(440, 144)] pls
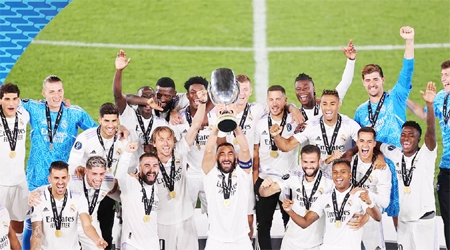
[(150, 159)]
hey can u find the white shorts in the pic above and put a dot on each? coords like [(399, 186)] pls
[(417, 235), (15, 199), (373, 235), (242, 244), (86, 243), (180, 236), (251, 200), (196, 189)]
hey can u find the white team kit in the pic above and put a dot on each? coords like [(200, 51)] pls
[(4, 229), (274, 167), (347, 132), (195, 155), (340, 237), (88, 144), (176, 224), (295, 237), (378, 182), (76, 204), (137, 231), (416, 200), (228, 226), (130, 120), (13, 184)]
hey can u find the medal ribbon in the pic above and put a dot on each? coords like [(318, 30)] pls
[(329, 147), (144, 131), (169, 181), (109, 156), (227, 188), (444, 110), (366, 176), (12, 137), (94, 199), (51, 133), (243, 118), (373, 118), (308, 201), (407, 176), (189, 120), (338, 213), (316, 111), (57, 217), (283, 122), (148, 203)]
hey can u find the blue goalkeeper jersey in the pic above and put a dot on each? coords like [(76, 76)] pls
[(40, 157)]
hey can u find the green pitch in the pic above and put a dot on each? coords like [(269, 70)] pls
[(87, 72)]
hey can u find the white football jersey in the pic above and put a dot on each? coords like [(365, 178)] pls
[(135, 231), (4, 229), (12, 168), (76, 204), (421, 198)]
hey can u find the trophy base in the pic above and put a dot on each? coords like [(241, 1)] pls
[(227, 123)]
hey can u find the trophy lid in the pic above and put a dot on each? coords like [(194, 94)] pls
[(223, 87)]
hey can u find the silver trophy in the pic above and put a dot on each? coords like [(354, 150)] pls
[(223, 89)]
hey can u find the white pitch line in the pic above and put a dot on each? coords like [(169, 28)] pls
[(261, 54)]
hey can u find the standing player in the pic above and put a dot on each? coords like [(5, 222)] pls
[(415, 173), (338, 206), (227, 189), (13, 184), (176, 225), (140, 201), (386, 111), (101, 141), (271, 162), (441, 107), (55, 219), (306, 188), (8, 238), (141, 119), (332, 132), (306, 91)]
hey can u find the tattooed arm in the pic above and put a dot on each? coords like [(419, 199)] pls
[(36, 236)]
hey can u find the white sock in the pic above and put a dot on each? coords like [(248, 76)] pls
[(20, 237)]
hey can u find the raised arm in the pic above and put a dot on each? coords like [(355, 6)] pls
[(407, 33), (244, 151), (36, 235), (121, 63), (282, 143), (209, 159), (349, 70), (430, 135), (416, 109), (301, 221), (372, 210), (268, 188), (202, 96)]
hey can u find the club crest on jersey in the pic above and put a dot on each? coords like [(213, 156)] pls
[(343, 137), (72, 208), (349, 202), (103, 193), (250, 116), (177, 161), (78, 145), (5, 224), (321, 190), (21, 121), (390, 148), (119, 151)]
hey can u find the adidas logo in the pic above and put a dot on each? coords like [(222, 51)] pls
[(93, 152), (45, 209), (318, 138), (184, 131), (327, 206), (264, 132)]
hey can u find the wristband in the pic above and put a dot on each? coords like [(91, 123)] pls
[(372, 204), (245, 165)]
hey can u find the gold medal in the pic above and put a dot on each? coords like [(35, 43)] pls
[(235, 141), (58, 233), (90, 218), (338, 223), (146, 218), (173, 194), (407, 190), (226, 202), (51, 146), (12, 154), (198, 146), (273, 154), (306, 211)]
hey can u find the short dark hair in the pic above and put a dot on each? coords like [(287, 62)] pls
[(304, 76), (108, 109), (165, 82), (368, 130), (149, 154), (95, 161), (332, 92), (58, 165), (224, 144), (445, 65), (196, 80), (342, 160), (8, 88), (309, 149), (413, 124), (276, 88), (51, 79), (371, 68)]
